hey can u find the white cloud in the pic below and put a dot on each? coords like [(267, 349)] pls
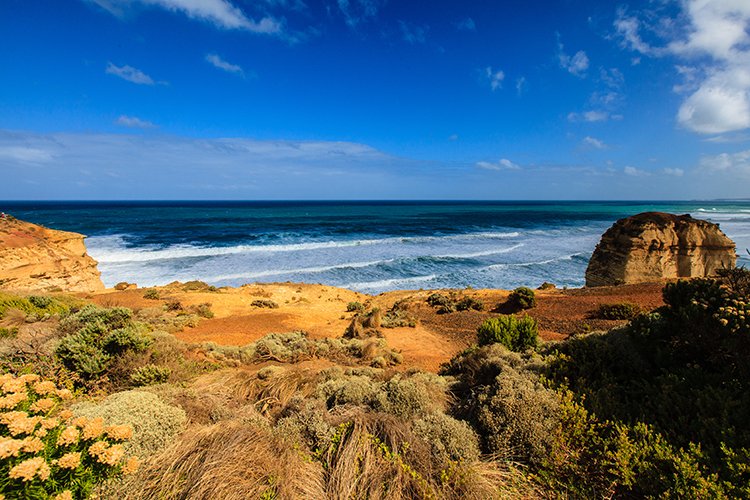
[(592, 116), (676, 172), (25, 154), (453, 137), (466, 25), (129, 73), (412, 33), (727, 162), (577, 64), (635, 172), (502, 164), (133, 122), (220, 13), (594, 143), (220, 63), (495, 77), (714, 36)]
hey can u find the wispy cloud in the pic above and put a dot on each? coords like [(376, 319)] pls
[(411, 33), (675, 172), (466, 24), (502, 164), (635, 172), (358, 11), (520, 85), (25, 154), (129, 73), (593, 143), (591, 116), (133, 122), (577, 64), (739, 161), (220, 63), (495, 77), (221, 13)]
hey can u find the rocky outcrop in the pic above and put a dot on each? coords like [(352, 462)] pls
[(653, 246), (36, 258)]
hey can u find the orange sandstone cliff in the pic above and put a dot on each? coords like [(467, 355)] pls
[(35, 258), (653, 246)]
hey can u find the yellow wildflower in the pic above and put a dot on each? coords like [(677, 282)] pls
[(69, 435), (45, 387), (120, 432), (5, 377), (41, 432), (14, 385), (7, 418), (79, 422), (29, 378), (23, 424), (64, 394), (65, 414), (112, 455), (69, 460), (131, 465), (10, 447), (11, 400), (93, 428), (27, 469), (49, 423), (43, 405), (33, 445), (65, 495), (98, 448)]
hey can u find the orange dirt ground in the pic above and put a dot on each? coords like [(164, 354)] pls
[(321, 312)]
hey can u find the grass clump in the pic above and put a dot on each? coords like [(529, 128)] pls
[(522, 298), (619, 311), (8, 332), (517, 334), (151, 294), (204, 310), (38, 306)]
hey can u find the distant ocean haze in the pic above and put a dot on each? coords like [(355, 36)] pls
[(366, 246)]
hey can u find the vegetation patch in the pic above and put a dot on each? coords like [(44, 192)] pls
[(620, 311), (265, 303), (522, 298), (516, 334)]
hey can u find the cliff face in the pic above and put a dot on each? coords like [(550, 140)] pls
[(653, 246), (36, 258)]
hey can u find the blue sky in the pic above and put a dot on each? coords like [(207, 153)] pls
[(374, 99)]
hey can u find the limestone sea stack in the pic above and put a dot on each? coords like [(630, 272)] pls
[(34, 258), (654, 246)]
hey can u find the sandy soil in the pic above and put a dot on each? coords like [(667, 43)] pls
[(321, 312)]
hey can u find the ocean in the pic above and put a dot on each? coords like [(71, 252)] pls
[(370, 247)]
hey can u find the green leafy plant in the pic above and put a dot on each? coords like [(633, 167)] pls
[(522, 298), (619, 311), (517, 334)]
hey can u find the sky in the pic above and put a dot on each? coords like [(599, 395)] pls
[(374, 99)]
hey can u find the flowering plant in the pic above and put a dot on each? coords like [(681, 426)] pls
[(45, 453)]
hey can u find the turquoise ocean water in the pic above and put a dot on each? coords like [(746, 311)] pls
[(367, 246)]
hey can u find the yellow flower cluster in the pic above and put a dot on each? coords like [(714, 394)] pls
[(30, 426)]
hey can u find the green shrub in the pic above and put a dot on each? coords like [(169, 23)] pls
[(620, 311), (355, 307), (8, 332), (270, 304), (438, 299), (151, 294), (517, 334), (49, 305), (40, 301), (172, 305), (154, 423), (450, 440), (469, 303), (204, 310), (522, 298), (150, 374)]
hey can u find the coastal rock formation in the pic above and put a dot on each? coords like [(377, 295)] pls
[(36, 258), (653, 246)]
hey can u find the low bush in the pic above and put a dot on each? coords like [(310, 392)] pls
[(151, 294), (204, 310), (517, 334), (44, 453), (522, 298), (36, 305), (620, 311), (446, 304), (154, 422), (264, 303), (8, 332), (150, 374), (355, 307), (172, 305), (469, 303)]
